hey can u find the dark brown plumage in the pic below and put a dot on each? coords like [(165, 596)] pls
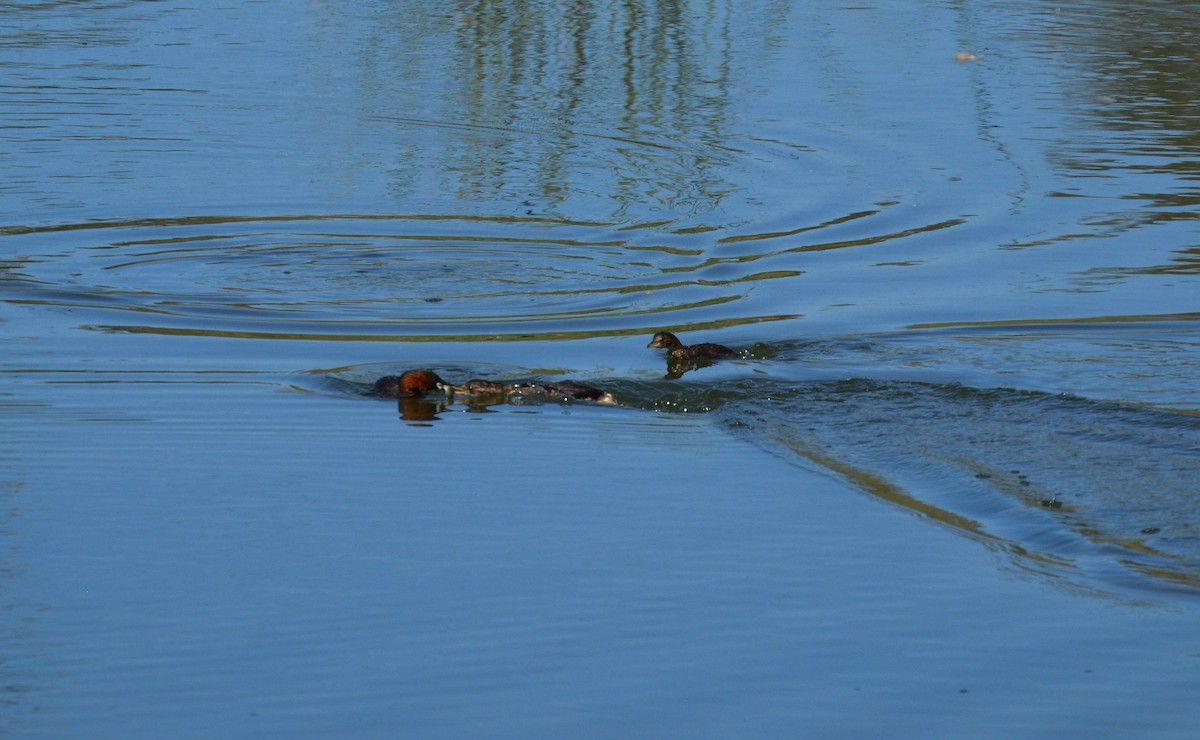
[(677, 350)]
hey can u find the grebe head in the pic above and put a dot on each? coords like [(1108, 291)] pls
[(665, 340), (409, 383)]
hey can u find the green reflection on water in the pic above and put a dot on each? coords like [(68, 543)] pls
[(499, 337), (1132, 319)]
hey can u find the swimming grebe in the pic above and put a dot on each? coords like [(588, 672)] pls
[(677, 350), (409, 384)]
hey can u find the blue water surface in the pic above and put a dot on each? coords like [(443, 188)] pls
[(946, 486)]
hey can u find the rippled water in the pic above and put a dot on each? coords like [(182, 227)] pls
[(955, 246)]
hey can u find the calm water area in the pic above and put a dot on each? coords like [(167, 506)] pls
[(949, 487)]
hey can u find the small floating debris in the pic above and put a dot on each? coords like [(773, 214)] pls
[(963, 57), (1151, 530)]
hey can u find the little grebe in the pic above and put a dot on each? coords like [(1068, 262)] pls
[(677, 350), (409, 384)]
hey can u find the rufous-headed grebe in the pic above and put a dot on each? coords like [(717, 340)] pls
[(409, 384)]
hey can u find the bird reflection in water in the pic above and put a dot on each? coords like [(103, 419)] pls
[(681, 358)]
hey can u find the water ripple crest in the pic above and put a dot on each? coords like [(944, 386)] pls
[(372, 277)]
